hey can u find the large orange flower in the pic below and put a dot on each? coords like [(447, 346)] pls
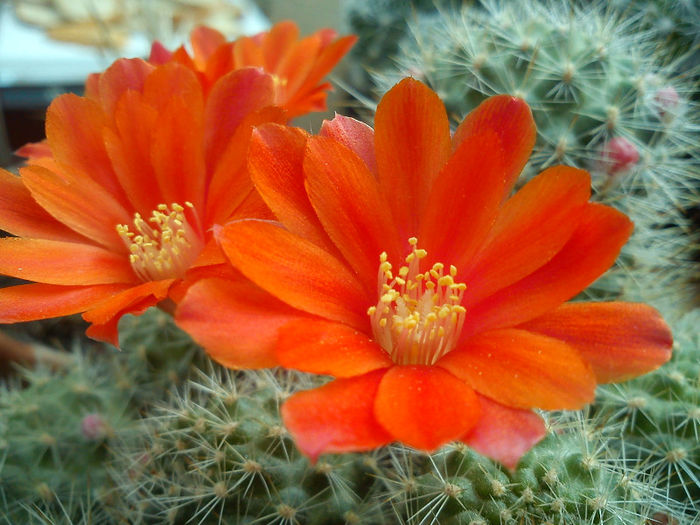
[(114, 212), (402, 267), (297, 65)]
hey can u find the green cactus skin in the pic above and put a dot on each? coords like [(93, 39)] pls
[(216, 452), (56, 430)]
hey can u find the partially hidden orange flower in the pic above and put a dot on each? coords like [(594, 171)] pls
[(113, 213), (401, 266), (298, 65)]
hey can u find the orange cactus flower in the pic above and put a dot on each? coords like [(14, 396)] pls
[(114, 212), (297, 65), (402, 266)]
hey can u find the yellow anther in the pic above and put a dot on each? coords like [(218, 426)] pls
[(445, 280), (165, 245), (418, 317), (387, 298)]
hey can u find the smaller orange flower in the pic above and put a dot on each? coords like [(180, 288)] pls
[(297, 65), (403, 266), (114, 212)]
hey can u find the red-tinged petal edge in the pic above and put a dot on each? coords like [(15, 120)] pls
[(425, 407), (322, 347), (29, 302), (619, 340), (353, 134), (503, 433), (135, 300), (236, 322), (337, 417)]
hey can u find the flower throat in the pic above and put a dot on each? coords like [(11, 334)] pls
[(164, 246), (419, 316)]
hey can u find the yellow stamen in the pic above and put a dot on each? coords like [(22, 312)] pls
[(164, 246), (418, 317)]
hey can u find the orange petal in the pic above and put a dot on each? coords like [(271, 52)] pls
[(277, 42), (530, 229), (503, 433), (337, 417), (464, 201), (275, 163), (330, 54), (176, 149), (296, 271), (177, 153), (135, 300), (67, 263), (322, 347), (231, 183), (123, 75), (252, 207), (295, 67), (412, 144), (21, 215), (590, 251), (424, 406), (77, 204), (128, 145), (212, 308), (205, 40), (353, 134), (234, 96), (619, 340), (74, 130), (361, 225), (511, 118), (32, 150), (159, 54), (248, 53), (29, 302), (523, 370)]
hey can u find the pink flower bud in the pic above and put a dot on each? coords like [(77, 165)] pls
[(618, 155), (94, 427), (666, 100)]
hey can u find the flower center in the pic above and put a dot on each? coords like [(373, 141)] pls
[(165, 245), (419, 315)]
